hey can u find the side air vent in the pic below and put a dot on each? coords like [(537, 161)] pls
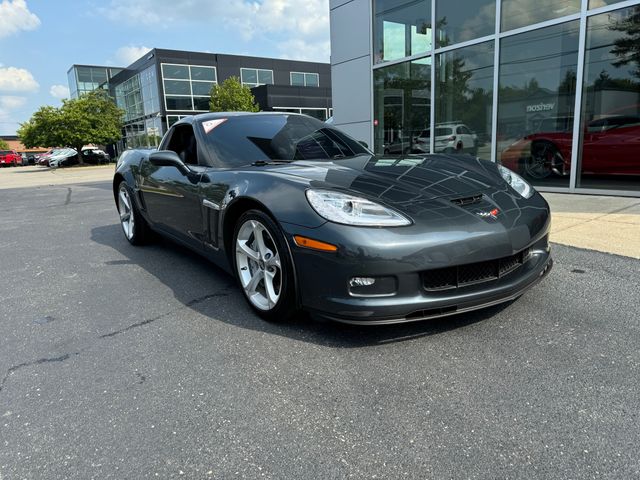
[(467, 200)]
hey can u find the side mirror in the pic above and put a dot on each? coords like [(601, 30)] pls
[(168, 158)]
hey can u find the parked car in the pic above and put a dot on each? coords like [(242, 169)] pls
[(94, 156), (43, 159), (10, 158), (611, 146), (63, 158), (306, 218), (450, 138), (398, 146)]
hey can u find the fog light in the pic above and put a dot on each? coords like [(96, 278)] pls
[(372, 286), (361, 281)]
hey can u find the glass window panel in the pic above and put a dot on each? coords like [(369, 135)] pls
[(248, 75), (179, 103), (177, 87), (175, 71), (536, 103), (84, 74), (401, 28), (610, 125), (402, 103), (203, 73), (520, 13), (462, 20), (311, 79), (297, 79), (602, 3), (99, 75), (464, 96), (201, 88), (201, 103), (265, 77)]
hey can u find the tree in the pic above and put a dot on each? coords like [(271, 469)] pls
[(91, 119), (3, 145), (232, 96), (627, 46)]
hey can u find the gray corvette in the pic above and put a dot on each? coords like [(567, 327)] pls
[(306, 218)]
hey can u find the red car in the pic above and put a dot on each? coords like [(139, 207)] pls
[(10, 158), (611, 146)]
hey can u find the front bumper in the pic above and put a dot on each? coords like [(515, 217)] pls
[(407, 256)]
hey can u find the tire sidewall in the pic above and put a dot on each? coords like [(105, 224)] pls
[(286, 306)]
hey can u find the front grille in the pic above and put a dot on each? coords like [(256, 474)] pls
[(472, 273)]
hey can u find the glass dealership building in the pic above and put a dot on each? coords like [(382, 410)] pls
[(549, 88)]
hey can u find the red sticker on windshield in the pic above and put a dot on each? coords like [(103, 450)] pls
[(211, 124)]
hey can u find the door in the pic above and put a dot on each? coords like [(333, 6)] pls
[(171, 198)]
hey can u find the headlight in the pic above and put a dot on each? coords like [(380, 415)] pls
[(350, 210), (516, 182)]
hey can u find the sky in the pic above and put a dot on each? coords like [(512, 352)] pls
[(41, 39)]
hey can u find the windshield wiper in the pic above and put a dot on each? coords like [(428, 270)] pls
[(262, 163)]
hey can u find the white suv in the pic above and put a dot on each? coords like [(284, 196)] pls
[(450, 138)]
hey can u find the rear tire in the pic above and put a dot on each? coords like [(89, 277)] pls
[(263, 267), (135, 228)]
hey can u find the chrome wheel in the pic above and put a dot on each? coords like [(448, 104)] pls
[(125, 207), (545, 160), (258, 265)]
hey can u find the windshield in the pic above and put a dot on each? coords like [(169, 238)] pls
[(243, 140), (5, 152)]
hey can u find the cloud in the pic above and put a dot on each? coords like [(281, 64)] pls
[(292, 25), (15, 16), (10, 102), (59, 91), (14, 79), (127, 55), (299, 49)]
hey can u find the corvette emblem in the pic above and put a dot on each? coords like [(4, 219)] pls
[(493, 214)]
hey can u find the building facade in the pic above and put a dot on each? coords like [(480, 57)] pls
[(86, 78), (166, 85), (549, 88)]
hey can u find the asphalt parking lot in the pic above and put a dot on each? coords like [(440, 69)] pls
[(124, 362)]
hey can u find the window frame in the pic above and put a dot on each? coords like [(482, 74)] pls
[(304, 74), (256, 70)]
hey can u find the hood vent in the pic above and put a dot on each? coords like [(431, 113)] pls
[(467, 200)]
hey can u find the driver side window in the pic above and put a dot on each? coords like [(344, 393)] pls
[(183, 142)]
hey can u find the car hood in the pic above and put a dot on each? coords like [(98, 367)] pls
[(398, 181)]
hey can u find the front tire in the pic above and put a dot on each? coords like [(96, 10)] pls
[(263, 266), (135, 228)]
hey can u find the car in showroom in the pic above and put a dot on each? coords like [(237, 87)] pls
[(450, 138), (610, 147), (10, 158), (307, 218)]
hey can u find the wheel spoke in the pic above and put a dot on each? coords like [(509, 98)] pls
[(124, 217), (242, 247), (125, 199), (253, 283), (272, 296), (258, 232)]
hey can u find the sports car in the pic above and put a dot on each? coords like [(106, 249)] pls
[(306, 218)]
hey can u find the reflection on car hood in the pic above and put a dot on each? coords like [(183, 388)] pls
[(399, 180)]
